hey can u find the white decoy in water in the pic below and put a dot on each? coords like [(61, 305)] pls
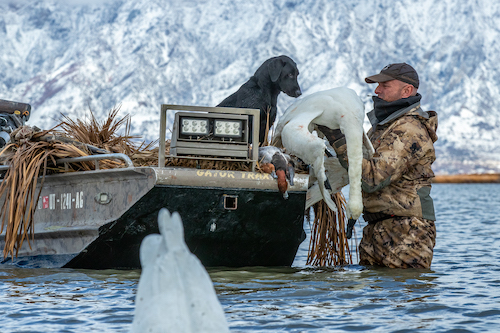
[(338, 108), (175, 292), (280, 165)]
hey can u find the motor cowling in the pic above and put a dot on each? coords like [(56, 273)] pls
[(12, 115)]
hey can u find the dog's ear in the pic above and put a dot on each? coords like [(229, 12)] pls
[(275, 66)]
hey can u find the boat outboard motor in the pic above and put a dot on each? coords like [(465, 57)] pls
[(12, 116)]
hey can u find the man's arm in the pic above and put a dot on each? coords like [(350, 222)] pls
[(397, 150)]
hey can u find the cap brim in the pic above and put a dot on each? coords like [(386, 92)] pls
[(378, 78)]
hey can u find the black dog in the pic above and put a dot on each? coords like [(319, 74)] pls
[(261, 91)]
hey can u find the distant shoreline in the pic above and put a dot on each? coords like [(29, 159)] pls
[(471, 178)]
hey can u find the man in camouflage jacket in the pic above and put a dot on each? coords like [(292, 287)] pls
[(396, 182)]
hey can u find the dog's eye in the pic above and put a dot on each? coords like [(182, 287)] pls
[(290, 75)]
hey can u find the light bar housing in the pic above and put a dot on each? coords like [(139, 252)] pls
[(210, 133)]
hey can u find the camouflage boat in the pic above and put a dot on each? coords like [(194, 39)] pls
[(97, 219)]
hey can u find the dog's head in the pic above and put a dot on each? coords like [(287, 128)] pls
[(283, 71)]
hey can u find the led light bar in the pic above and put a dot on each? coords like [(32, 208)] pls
[(227, 128), (211, 133), (194, 126)]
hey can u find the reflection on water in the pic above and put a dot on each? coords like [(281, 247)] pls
[(349, 299), (60, 300), (460, 293)]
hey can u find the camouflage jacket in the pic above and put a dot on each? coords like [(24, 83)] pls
[(397, 180)]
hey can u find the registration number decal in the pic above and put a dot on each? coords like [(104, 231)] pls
[(67, 200)]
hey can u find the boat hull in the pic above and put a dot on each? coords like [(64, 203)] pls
[(97, 219)]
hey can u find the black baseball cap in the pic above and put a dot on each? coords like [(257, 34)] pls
[(401, 71)]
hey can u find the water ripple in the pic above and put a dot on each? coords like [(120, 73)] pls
[(460, 293)]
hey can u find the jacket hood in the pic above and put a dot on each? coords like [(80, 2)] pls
[(428, 118), (431, 124)]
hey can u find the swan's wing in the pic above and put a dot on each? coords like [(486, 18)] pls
[(337, 175), (313, 195)]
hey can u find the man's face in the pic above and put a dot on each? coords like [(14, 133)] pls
[(391, 91)]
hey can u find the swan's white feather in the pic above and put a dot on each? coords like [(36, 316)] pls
[(335, 108)]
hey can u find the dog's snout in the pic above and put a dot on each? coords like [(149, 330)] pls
[(294, 93)]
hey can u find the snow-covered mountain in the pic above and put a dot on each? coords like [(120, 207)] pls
[(69, 56)]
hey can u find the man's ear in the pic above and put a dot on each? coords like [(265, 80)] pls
[(408, 91), (413, 91)]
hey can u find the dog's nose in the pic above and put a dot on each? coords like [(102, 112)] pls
[(298, 93)]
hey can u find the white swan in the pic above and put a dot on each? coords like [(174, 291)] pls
[(175, 292), (338, 108)]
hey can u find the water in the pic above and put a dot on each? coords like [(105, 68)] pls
[(460, 293)]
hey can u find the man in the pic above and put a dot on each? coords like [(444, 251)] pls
[(396, 182)]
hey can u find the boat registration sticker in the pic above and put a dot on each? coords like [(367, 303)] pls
[(47, 202), (67, 201)]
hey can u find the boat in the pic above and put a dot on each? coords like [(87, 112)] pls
[(97, 219)]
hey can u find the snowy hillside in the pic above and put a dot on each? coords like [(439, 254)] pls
[(67, 57)]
